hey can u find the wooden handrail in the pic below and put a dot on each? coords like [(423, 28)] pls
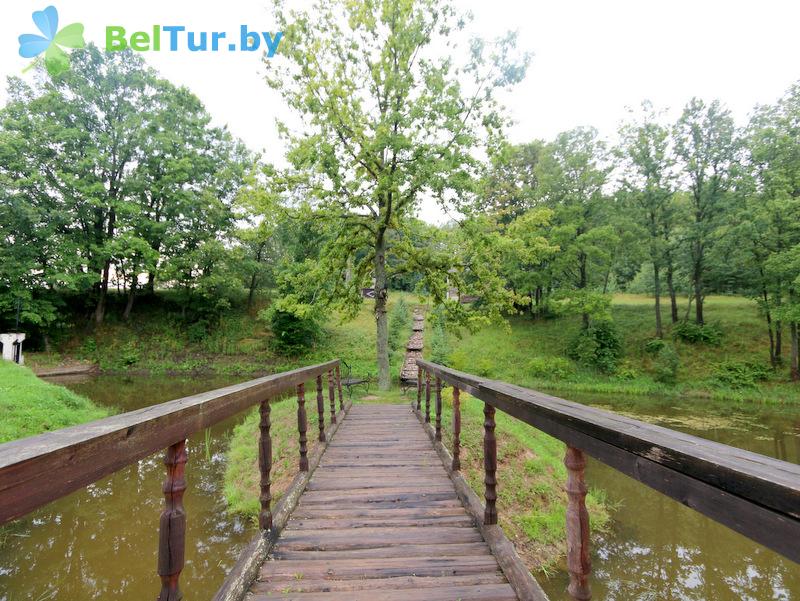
[(755, 495), (40, 469)]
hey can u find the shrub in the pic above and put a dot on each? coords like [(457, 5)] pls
[(666, 364), (740, 374), (556, 368), (440, 348), (129, 355), (693, 333), (598, 345), (292, 335), (399, 324), (626, 371), (654, 345), (197, 331)]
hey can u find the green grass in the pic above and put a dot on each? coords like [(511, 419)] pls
[(31, 406), (516, 354)]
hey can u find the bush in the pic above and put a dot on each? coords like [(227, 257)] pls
[(555, 368), (292, 335), (666, 364), (440, 349), (399, 325), (599, 346), (654, 346), (693, 333), (197, 331), (740, 374), (129, 355), (626, 371)]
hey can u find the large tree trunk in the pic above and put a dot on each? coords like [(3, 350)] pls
[(100, 309), (673, 301), (381, 296), (252, 291), (794, 364), (657, 286), (126, 315)]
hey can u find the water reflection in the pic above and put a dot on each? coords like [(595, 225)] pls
[(659, 549), (102, 541)]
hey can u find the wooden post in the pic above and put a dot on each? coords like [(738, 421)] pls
[(578, 561), (489, 465), (172, 526), (332, 397), (427, 397), (438, 408), (302, 426), (456, 429), (339, 387), (321, 409), (419, 389), (265, 466)]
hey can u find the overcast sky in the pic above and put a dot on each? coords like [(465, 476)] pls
[(592, 58)]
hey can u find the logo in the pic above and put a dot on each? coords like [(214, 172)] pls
[(56, 60)]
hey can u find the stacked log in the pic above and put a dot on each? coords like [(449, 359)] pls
[(410, 373)]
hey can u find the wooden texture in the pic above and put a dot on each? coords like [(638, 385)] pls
[(331, 397), (754, 495), (302, 426), (489, 465), (40, 469), (427, 397), (172, 527), (456, 464), (320, 409), (578, 562), (419, 391), (438, 409), (380, 519), (339, 387), (265, 467)]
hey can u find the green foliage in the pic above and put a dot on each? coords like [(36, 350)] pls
[(440, 347), (399, 325), (197, 331), (599, 346), (550, 368), (666, 364), (654, 346), (740, 374), (693, 333), (291, 335)]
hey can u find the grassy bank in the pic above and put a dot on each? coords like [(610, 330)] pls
[(31, 406), (533, 353)]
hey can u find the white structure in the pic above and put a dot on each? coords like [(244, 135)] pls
[(12, 347)]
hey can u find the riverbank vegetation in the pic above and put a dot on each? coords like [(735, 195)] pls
[(31, 406)]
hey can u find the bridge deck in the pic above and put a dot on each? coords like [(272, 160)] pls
[(380, 519)]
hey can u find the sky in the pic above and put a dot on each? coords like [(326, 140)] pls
[(592, 58)]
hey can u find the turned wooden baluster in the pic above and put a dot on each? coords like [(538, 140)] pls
[(456, 429), (438, 408), (172, 527), (321, 409), (427, 397), (339, 387), (302, 426), (265, 465), (419, 389), (332, 397), (578, 562), (489, 465)]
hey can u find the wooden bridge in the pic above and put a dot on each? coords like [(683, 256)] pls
[(380, 510)]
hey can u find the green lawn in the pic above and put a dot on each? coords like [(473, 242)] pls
[(31, 406)]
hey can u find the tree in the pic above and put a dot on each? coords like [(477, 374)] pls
[(650, 183), (571, 176), (386, 122), (706, 146)]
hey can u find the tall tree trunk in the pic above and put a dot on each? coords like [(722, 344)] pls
[(381, 296), (252, 291), (100, 309), (657, 287), (768, 317), (126, 315), (794, 363), (673, 301), (778, 328)]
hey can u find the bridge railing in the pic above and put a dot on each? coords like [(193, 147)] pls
[(754, 495), (43, 468)]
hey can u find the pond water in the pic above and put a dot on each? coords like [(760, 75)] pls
[(658, 549), (102, 541)]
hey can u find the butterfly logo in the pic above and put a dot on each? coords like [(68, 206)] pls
[(50, 42)]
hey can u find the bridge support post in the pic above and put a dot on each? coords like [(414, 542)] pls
[(489, 465), (438, 408), (332, 397), (302, 426), (339, 387), (320, 409), (427, 397), (172, 526), (265, 466), (456, 429), (578, 561), (419, 389)]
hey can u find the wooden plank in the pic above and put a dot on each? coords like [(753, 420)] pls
[(379, 584), (436, 549), (321, 540), (484, 592), (39, 469), (382, 567)]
